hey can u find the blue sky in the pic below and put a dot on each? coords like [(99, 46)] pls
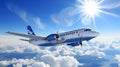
[(50, 16)]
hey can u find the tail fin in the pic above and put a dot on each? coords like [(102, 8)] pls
[(30, 31)]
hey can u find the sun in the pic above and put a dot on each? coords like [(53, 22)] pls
[(90, 8)]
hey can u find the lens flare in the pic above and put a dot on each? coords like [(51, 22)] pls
[(90, 9)]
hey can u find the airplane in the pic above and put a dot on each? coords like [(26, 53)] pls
[(72, 38)]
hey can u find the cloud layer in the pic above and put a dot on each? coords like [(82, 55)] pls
[(16, 53)]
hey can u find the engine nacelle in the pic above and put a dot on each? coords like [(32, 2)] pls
[(74, 44), (52, 37)]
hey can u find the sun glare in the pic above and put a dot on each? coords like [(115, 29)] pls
[(90, 8)]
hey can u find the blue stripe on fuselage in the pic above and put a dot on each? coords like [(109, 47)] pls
[(47, 44), (72, 40)]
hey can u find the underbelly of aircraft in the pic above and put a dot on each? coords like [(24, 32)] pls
[(72, 40)]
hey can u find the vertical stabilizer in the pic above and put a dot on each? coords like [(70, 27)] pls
[(30, 31)]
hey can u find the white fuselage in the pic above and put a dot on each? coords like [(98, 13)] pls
[(69, 37)]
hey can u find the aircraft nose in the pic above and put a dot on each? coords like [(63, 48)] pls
[(96, 33)]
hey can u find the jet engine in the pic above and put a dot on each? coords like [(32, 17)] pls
[(52, 37)]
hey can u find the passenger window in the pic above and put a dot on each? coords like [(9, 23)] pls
[(76, 31)]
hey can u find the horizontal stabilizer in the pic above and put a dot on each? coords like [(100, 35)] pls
[(24, 39)]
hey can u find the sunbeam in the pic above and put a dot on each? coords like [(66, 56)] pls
[(92, 8)]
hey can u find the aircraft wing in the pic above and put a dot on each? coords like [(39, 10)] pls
[(27, 36)]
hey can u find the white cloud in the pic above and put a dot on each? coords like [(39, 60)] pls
[(68, 16), (45, 55), (41, 64), (112, 5), (95, 53), (44, 61), (25, 16), (55, 56), (4, 63), (21, 62), (17, 65), (53, 17), (115, 45), (117, 57), (21, 13), (38, 22), (60, 61), (13, 44)]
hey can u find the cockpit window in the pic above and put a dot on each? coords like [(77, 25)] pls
[(87, 30)]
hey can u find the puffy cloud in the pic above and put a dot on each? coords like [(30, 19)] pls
[(4, 63), (44, 61), (42, 64), (115, 45), (22, 62), (117, 57), (45, 55), (54, 56), (106, 39), (13, 44), (60, 61), (95, 53), (17, 65)]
